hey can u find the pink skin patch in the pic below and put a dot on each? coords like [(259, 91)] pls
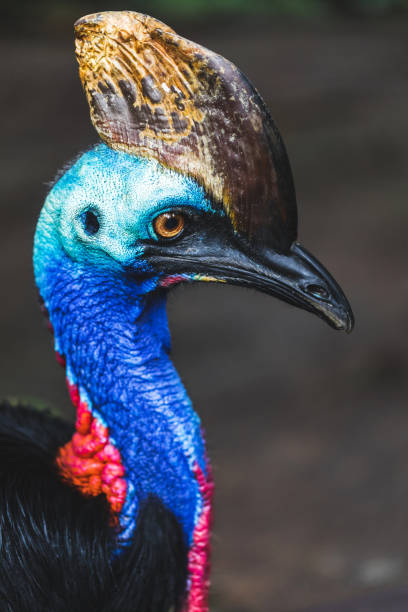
[(89, 461), (168, 281), (60, 359), (200, 550)]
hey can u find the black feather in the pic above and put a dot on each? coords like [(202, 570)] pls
[(56, 544)]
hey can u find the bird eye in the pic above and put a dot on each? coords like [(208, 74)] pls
[(91, 222), (169, 224)]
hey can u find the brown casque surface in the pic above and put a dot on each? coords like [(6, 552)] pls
[(154, 93)]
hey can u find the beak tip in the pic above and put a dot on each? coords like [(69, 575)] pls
[(350, 325), (346, 323)]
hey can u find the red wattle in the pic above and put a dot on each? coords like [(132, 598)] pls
[(89, 461)]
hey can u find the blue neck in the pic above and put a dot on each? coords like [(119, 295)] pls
[(116, 342)]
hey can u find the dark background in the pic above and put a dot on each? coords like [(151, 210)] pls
[(307, 428)]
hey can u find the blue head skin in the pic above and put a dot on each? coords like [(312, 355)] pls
[(110, 322)]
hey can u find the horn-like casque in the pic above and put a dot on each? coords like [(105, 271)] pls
[(155, 94)]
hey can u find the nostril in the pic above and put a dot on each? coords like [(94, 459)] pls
[(317, 291)]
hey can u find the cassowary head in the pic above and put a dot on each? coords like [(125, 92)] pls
[(192, 181)]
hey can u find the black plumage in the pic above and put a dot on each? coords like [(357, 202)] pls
[(56, 544)]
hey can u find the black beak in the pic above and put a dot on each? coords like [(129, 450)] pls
[(295, 277), (300, 279)]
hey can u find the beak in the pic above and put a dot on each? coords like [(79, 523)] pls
[(295, 277), (300, 279)]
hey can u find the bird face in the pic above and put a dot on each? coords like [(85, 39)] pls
[(138, 219), (109, 206)]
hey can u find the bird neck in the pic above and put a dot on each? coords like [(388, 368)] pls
[(137, 434)]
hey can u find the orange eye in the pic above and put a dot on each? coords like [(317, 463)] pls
[(169, 224)]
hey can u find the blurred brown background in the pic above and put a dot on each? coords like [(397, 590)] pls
[(307, 428)]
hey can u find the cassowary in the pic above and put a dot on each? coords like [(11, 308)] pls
[(191, 182)]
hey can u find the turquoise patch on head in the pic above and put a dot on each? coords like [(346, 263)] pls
[(102, 209)]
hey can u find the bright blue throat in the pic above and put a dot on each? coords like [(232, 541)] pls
[(116, 342)]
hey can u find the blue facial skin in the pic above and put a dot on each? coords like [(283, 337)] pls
[(112, 325)]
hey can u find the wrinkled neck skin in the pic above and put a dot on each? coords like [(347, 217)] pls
[(113, 336)]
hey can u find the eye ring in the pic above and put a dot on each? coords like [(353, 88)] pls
[(169, 224)]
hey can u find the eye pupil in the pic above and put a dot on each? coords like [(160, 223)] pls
[(169, 225), (91, 223)]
